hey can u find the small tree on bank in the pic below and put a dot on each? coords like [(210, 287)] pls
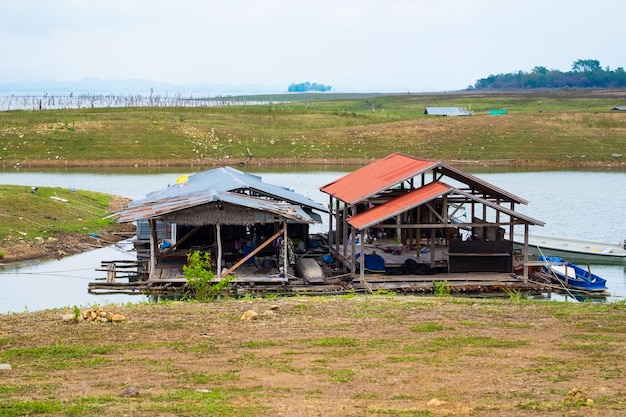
[(200, 278)]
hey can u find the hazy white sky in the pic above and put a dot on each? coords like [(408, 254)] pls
[(352, 45)]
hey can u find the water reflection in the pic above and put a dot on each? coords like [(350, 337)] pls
[(34, 286)]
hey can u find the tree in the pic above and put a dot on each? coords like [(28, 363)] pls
[(307, 86), (586, 65), (586, 73)]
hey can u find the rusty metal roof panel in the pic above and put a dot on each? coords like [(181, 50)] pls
[(229, 179), (377, 177), (398, 205), (165, 206), (138, 210)]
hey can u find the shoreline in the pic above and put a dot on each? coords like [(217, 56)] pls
[(617, 164)]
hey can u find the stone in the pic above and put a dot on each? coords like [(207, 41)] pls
[(67, 317), (249, 315), (129, 392), (117, 318)]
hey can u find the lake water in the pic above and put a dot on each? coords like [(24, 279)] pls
[(575, 204)]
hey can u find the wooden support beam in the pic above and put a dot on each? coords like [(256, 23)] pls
[(285, 250), (181, 240), (440, 225), (254, 252)]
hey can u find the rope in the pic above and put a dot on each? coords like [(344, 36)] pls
[(555, 276)]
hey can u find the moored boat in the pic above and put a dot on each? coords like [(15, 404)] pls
[(572, 275), (310, 271), (575, 250)]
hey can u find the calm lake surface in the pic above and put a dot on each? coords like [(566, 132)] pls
[(575, 204)]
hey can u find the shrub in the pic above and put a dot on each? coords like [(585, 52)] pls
[(200, 277)]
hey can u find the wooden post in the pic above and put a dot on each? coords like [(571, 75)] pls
[(399, 229), (330, 222), (153, 246), (218, 238), (286, 252), (111, 273), (362, 258), (525, 251), (345, 232), (512, 220), (352, 250)]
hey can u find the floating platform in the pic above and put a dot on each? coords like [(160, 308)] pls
[(254, 280)]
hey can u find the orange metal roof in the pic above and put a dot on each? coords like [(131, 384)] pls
[(398, 205), (376, 177), (420, 196)]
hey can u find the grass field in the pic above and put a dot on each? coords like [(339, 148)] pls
[(52, 221), (375, 355), (50, 211), (569, 128)]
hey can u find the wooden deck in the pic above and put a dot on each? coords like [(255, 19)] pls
[(252, 279)]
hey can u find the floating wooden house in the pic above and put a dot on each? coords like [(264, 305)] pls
[(426, 211), (233, 215)]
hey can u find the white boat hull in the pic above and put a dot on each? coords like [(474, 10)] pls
[(574, 250)]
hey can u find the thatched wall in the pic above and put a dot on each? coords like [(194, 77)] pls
[(219, 213)]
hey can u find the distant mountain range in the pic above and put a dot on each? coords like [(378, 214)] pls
[(137, 86)]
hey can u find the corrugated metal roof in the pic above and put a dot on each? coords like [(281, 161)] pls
[(229, 179), (447, 111), (398, 205), (165, 206), (396, 168), (421, 196), (376, 177)]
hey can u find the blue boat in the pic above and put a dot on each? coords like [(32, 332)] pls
[(572, 275)]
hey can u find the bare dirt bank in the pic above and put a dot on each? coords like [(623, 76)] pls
[(320, 356), (64, 244)]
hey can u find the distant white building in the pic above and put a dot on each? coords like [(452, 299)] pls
[(447, 111)]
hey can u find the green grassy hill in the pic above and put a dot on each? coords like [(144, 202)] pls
[(570, 128)]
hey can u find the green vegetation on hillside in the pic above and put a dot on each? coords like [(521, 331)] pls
[(575, 127), (27, 215)]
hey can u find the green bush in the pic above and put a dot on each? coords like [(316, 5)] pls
[(441, 288), (200, 277)]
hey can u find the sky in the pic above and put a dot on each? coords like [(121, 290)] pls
[(351, 45)]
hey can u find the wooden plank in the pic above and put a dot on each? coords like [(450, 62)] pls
[(477, 254)]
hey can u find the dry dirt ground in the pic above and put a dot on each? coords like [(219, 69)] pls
[(320, 356)]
